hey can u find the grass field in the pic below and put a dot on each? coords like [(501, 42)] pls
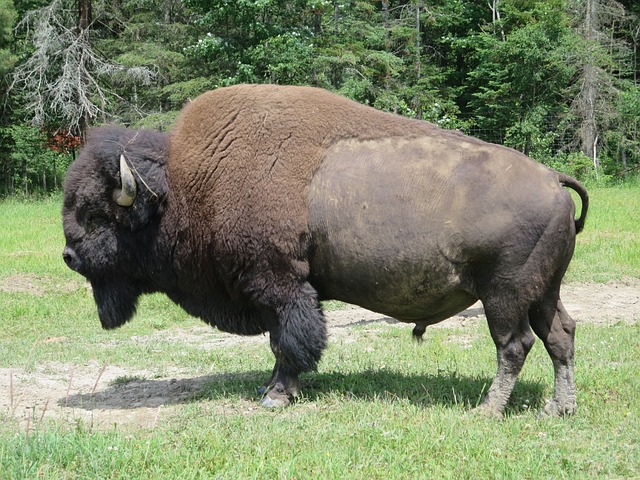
[(609, 247), (380, 405)]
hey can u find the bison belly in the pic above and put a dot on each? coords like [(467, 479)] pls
[(400, 226)]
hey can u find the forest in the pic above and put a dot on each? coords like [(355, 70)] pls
[(555, 79)]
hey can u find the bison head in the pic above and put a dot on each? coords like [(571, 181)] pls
[(114, 196)]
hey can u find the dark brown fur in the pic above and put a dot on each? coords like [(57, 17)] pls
[(250, 218)]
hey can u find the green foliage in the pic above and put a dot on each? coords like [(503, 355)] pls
[(623, 141), (32, 167), (518, 82), (284, 59), (7, 21), (576, 164), (512, 76)]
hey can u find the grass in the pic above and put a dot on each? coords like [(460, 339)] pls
[(402, 412), (380, 405), (609, 246)]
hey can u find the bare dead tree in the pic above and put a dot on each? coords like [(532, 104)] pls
[(592, 105), (418, 44), (84, 22), (62, 77), (494, 6), (635, 33), (590, 92)]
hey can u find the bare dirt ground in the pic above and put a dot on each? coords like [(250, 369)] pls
[(102, 396)]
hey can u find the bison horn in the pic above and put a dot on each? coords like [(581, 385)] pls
[(126, 195)]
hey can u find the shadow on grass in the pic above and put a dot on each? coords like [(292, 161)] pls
[(448, 389), (385, 385)]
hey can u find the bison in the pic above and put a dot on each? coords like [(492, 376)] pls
[(266, 199)]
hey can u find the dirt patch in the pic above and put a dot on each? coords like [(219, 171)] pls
[(36, 285), (102, 396), (24, 283), (603, 303)]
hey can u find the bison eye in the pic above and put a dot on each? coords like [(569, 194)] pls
[(90, 219)]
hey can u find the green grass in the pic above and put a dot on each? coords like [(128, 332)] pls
[(609, 246), (380, 405), (400, 412)]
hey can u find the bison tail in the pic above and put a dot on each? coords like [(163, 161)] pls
[(576, 186)]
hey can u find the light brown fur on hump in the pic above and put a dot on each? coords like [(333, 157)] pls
[(243, 158)]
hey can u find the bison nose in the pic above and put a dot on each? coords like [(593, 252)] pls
[(71, 259)]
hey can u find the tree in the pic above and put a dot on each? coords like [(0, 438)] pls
[(592, 105), (518, 72), (155, 34), (7, 21), (63, 76), (246, 39), (8, 17), (548, 77), (33, 166)]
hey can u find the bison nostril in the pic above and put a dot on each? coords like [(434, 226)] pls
[(70, 258)]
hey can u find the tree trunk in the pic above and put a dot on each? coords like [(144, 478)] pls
[(334, 68), (167, 7), (494, 5), (9, 177), (25, 178), (84, 21), (589, 130), (6, 171), (636, 37), (385, 14), (317, 22), (417, 102), (387, 43), (589, 93), (55, 173)]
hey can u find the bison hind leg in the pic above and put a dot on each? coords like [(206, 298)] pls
[(551, 322), (509, 327)]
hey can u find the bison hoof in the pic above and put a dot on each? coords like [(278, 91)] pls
[(279, 402), (487, 411), (277, 397), (262, 390), (553, 408)]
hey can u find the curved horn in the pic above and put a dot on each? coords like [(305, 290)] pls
[(127, 194)]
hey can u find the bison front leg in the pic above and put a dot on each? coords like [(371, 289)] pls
[(283, 388), (269, 383), (298, 338)]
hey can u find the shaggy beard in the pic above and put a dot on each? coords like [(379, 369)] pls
[(116, 302)]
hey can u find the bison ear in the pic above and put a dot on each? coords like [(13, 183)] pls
[(142, 190), (126, 195)]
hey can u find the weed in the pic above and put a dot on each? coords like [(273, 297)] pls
[(125, 380)]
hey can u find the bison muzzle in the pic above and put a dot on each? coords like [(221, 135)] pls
[(265, 200)]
